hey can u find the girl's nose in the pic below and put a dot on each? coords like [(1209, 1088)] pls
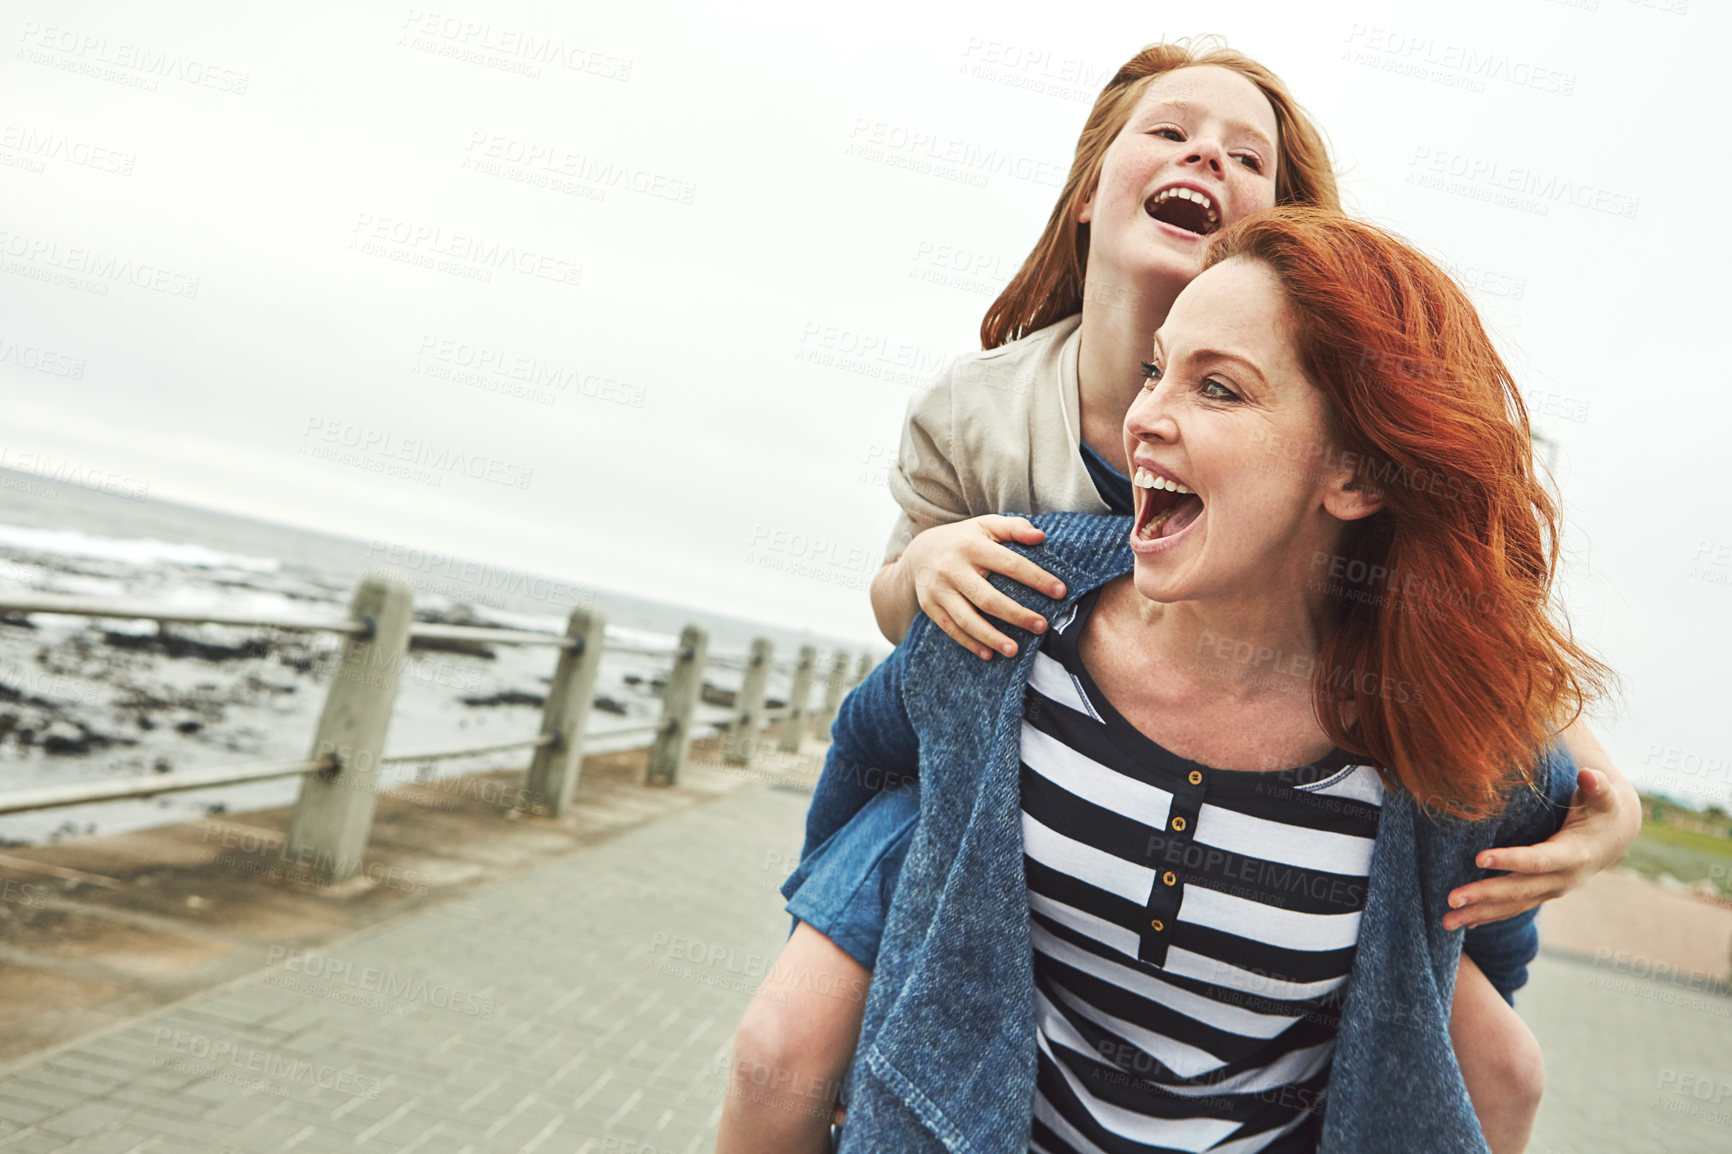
[(1206, 152)]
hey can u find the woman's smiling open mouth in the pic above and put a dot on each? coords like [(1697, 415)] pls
[(1165, 507)]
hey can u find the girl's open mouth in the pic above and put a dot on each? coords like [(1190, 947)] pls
[(1164, 507)]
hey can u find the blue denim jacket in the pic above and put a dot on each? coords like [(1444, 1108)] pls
[(946, 1059)]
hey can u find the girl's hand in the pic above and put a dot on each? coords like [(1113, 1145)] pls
[(1595, 835), (948, 564)]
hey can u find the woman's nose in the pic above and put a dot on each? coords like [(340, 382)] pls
[(1150, 417)]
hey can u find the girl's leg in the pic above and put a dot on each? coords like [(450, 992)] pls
[(792, 1048), (1500, 1060)]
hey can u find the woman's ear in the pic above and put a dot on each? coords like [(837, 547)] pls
[(1348, 498)]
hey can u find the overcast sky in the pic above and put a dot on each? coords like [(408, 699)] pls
[(664, 276)]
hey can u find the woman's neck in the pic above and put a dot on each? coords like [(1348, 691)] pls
[(1237, 651), (1119, 319)]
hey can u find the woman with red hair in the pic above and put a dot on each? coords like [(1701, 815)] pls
[(1184, 141), (1222, 929)]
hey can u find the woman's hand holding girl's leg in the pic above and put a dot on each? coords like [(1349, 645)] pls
[(792, 1048)]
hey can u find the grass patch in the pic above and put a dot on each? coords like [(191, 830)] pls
[(1685, 854)]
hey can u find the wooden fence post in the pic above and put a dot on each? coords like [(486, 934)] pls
[(674, 735), (834, 688), (553, 772), (333, 815), (799, 701), (749, 705)]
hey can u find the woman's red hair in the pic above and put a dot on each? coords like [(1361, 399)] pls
[(1445, 665), (1049, 286)]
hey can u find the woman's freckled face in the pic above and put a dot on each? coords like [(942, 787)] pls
[(1204, 125), (1229, 398)]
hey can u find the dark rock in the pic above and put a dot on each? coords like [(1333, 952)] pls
[(452, 645), (172, 645), (74, 737), (14, 697), (188, 726), (508, 697), (609, 705), (456, 615)]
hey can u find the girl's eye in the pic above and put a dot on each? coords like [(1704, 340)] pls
[(1222, 393), (1251, 162), (1151, 373), (1170, 134)]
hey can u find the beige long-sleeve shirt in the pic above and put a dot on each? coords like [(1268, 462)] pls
[(998, 432)]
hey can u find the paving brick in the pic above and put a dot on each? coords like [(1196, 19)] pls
[(32, 1140), (583, 1027), (85, 1118), (115, 1140)]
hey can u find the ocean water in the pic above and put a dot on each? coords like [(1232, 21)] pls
[(86, 699)]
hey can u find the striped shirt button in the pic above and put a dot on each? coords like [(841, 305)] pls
[(1179, 823), (1158, 924), (1196, 777), (1168, 878)]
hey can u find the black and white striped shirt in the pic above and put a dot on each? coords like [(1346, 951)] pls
[(1193, 928)]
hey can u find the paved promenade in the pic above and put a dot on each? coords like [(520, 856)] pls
[(588, 1006)]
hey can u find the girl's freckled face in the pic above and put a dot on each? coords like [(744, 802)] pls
[(1206, 126)]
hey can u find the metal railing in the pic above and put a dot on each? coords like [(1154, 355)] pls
[(332, 817)]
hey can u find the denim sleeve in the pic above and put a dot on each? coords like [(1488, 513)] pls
[(1503, 949), (872, 746)]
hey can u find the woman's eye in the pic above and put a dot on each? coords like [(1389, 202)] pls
[(1170, 133), (1151, 373), (1220, 391)]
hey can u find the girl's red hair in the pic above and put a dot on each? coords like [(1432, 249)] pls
[(1445, 665), (1049, 286)]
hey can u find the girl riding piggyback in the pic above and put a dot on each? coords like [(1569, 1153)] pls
[(1184, 141)]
